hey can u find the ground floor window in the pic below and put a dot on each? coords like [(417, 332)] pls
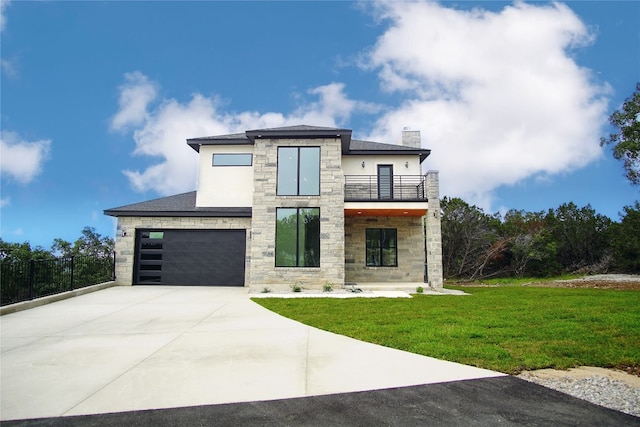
[(298, 237), (382, 247)]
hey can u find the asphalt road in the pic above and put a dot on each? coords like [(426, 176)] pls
[(500, 401)]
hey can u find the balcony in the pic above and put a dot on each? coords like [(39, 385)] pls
[(374, 188)]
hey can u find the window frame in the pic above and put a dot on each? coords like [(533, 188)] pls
[(213, 159), (300, 259), (280, 178), (379, 248)]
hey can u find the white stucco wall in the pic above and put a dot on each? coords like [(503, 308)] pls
[(352, 165), (224, 186)]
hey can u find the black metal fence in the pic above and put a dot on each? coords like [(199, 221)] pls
[(374, 188), (26, 280)]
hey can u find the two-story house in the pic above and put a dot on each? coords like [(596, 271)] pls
[(300, 204)]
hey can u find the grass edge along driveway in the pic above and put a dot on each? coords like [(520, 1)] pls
[(505, 329)]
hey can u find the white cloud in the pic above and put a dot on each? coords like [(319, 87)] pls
[(161, 130), (3, 15), (9, 67), (22, 160), (497, 95), (135, 95), (5, 202)]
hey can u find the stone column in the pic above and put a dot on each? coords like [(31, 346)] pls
[(433, 232)]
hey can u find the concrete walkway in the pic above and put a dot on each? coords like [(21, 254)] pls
[(133, 348)]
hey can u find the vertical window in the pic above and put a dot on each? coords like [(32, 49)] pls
[(382, 247), (298, 171), (298, 237), (385, 181)]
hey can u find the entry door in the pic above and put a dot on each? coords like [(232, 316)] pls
[(385, 181)]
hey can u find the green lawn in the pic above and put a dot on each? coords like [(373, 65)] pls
[(507, 329)]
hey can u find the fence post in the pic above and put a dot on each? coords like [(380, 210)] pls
[(32, 273), (113, 273)]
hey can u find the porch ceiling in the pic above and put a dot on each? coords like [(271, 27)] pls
[(384, 212)]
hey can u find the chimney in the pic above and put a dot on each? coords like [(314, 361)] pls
[(411, 138)]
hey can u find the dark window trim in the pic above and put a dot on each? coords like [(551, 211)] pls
[(390, 189), (213, 159), (379, 248), (275, 257), (298, 171)]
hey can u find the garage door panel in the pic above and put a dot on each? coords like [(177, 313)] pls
[(191, 257)]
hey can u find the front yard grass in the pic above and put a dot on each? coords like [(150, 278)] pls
[(506, 329)]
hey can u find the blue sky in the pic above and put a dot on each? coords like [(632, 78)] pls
[(98, 98)]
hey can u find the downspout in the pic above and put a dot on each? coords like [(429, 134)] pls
[(424, 239)]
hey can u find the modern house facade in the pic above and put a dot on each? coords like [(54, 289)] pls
[(293, 205)]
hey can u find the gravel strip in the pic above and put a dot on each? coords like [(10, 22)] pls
[(607, 392)]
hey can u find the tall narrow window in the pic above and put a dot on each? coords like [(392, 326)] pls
[(298, 237), (382, 247), (298, 171), (385, 181)]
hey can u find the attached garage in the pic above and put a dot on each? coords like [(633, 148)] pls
[(189, 257), (171, 241)]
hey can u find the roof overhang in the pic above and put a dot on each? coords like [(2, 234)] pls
[(315, 133), (196, 143), (197, 212)]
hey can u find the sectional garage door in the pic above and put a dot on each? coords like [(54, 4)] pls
[(190, 257)]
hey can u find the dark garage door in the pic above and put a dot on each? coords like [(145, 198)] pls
[(190, 257)]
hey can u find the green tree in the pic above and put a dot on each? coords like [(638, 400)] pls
[(22, 252), (468, 239), (581, 236), (531, 249), (90, 243), (625, 243), (626, 140)]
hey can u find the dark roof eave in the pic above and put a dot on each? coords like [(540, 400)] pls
[(218, 213), (195, 143), (343, 134)]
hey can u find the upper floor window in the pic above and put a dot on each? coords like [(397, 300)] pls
[(240, 159), (298, 171)]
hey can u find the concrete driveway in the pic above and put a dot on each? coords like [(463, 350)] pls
[(132, 348)]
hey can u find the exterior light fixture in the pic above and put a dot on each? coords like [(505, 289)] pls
[(362, 165), (406, 165)]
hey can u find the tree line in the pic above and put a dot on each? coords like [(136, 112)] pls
[(567, 239), (89, 243)]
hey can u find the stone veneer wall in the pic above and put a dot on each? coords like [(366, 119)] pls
[(265, 202), (434, 232), (125, 246), (410, 267)]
